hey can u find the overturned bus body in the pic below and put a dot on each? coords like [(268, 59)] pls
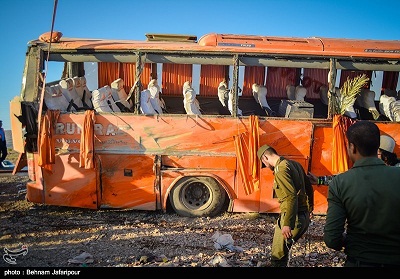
[(174, 122)]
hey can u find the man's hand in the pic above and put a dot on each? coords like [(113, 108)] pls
[(313, 178), (286, 232)]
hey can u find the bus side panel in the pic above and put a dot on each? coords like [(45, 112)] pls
[(321, 164), (223, 169), (70, 185), (127, 181), (291, 139), (200, 162)]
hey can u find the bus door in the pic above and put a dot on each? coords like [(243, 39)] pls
[(292, 139)]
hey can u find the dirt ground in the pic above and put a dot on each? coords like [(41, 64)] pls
[(35, 235)]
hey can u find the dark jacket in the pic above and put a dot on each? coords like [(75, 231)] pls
[(366, 200)]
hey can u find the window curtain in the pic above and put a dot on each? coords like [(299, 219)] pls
[(252, 74), (277, 80), (340, 159), (146, 75), (110, 71), (390, 80), (173, 78), (46, 147), (210, 77), (246, 146), (348, 74), (128, 75), (86, 148), (313, 79)]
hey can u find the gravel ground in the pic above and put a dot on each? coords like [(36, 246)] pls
[(52, 236)]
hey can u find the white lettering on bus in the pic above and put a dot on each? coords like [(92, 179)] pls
[(98, 129), (111, 130), (67, 128), (71, 128)]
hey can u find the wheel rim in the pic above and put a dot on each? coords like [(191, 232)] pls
[(195, 195)]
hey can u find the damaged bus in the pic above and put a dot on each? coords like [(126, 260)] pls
[(173, 122)]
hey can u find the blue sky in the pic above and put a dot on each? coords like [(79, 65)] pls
[(24, 20)]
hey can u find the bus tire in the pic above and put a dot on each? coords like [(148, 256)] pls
[(197, 197)]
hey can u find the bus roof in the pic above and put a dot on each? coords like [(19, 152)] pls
[(241, 44)]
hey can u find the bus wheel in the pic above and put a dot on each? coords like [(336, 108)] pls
[(197, 196)]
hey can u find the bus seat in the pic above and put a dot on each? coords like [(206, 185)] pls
[(155, 98), (99, 101), (190, 102), (70, 93), (254, 89), (78, 86), (223, 92), (366, 100), (390, 107), (323, 94), (186, 86), (262, 99), (87, 94), (300, 93), (103, 101), (290, 92), (54, 99), (145, 104), (390, 93), (119, 95)]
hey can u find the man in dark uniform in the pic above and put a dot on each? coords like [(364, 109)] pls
[(3, 144), (296, 198), (364, 204)]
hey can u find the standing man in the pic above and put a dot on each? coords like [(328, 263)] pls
[(3, 144), (296, 198), (364, 204)]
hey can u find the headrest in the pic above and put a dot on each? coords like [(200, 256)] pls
[(300, 92), (255, 87), (390, 93), (323, 94), (117, 84), (67, 83), (186, 86), (290, 92), (152, 82), (83, 81), (387, 143), (77, 82), (223, 84)]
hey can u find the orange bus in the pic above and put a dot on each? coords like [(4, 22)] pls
[(173, 122)]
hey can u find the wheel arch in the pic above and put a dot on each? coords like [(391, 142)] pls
[(228, 190)]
